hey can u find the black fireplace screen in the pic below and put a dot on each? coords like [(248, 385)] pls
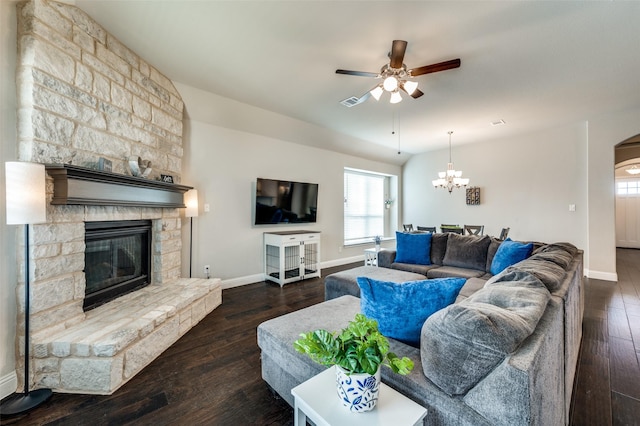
[(117, 259)]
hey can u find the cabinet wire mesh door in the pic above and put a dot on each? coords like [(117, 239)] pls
[(310, 258), (273, 261), (292, 262)]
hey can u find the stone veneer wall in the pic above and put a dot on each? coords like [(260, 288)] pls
[(83, 95)]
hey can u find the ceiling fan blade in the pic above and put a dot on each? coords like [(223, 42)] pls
[(416, 93), (442, 66), (397, 53), (358, 73)]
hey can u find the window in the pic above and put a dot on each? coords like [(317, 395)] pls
[(364, 205), (628, 187)]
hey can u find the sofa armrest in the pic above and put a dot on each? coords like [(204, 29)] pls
[(386, 258)]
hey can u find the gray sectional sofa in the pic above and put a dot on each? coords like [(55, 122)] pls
[(505, 353)]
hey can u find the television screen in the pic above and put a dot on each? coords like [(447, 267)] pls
[(283, 201)]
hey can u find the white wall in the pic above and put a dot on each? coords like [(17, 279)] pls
[(605, 132), (223, 164), (526, 183), (8, 148)]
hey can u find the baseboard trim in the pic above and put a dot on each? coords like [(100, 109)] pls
[(8, 384), (599, 275), (342, 261), (240, 281), (256, 278)]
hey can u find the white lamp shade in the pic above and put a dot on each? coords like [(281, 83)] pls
[(191, 201), (26, 193), (395, 97), (410, 86), (377, 92)]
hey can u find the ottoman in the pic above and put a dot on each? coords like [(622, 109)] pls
[(345, 283)]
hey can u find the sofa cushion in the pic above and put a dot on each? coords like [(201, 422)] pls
[(509, 253), (346, 282), (568, 247), (548, 272), (469, 288), (401, 309), (467, 251), (452, 271), (439, 247), (410, 267), (559, 253), (463, 342), (413, 248)]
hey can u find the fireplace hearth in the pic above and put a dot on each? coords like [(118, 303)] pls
[(117, 259)]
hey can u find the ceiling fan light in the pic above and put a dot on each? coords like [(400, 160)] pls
[(377, 92), (395, 97), (410, 86), (390, 84)]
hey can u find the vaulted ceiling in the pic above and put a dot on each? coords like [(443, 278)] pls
[(532, 64)]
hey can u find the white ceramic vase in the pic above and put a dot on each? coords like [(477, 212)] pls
[(358, 391)]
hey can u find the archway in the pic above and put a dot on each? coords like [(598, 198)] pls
[(627, 193)]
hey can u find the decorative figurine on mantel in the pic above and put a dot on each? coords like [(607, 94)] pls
[(139, 167)]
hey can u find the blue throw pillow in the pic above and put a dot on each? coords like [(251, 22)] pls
[(413, 248), (509, 253), (402, 308)]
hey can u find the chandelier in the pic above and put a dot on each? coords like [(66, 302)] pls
[(633, 170), (452, 178)]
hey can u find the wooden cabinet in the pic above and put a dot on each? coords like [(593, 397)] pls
[(291, 256)]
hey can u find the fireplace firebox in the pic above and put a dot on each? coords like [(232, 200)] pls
[(117, 259)]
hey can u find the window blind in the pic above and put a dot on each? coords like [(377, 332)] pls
[(363, 205)]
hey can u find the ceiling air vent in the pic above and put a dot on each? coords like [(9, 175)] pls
[(349, 102)]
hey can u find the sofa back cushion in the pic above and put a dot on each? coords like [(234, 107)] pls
[(467, 251), (413, 248), (509, 253), (402, 308), (462, 343), (439, 247)]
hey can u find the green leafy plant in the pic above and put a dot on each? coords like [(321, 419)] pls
[(359, 348)]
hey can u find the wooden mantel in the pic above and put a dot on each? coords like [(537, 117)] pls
[(82, 186)]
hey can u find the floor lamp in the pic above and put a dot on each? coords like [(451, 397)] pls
[(26, 204), (191, 201)]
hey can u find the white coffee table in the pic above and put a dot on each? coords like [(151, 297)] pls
[(317, 399)]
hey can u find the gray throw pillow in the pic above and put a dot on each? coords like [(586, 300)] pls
[(467, 251), (464, 342), (491, 252), (438, 247)]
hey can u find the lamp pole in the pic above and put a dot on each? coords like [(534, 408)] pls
[(26, 203)]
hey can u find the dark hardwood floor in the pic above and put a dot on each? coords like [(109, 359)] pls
[(211, 376), (607, 388)]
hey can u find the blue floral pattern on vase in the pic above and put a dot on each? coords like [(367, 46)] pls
[(358, 392)]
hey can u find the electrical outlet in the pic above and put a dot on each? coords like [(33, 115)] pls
[(207, 270)]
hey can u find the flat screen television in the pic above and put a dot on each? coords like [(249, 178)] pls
[(284, 201)]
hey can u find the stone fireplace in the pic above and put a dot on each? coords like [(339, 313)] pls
[(83, 96)]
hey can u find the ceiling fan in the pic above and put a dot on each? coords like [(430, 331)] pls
[(395, 76)]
